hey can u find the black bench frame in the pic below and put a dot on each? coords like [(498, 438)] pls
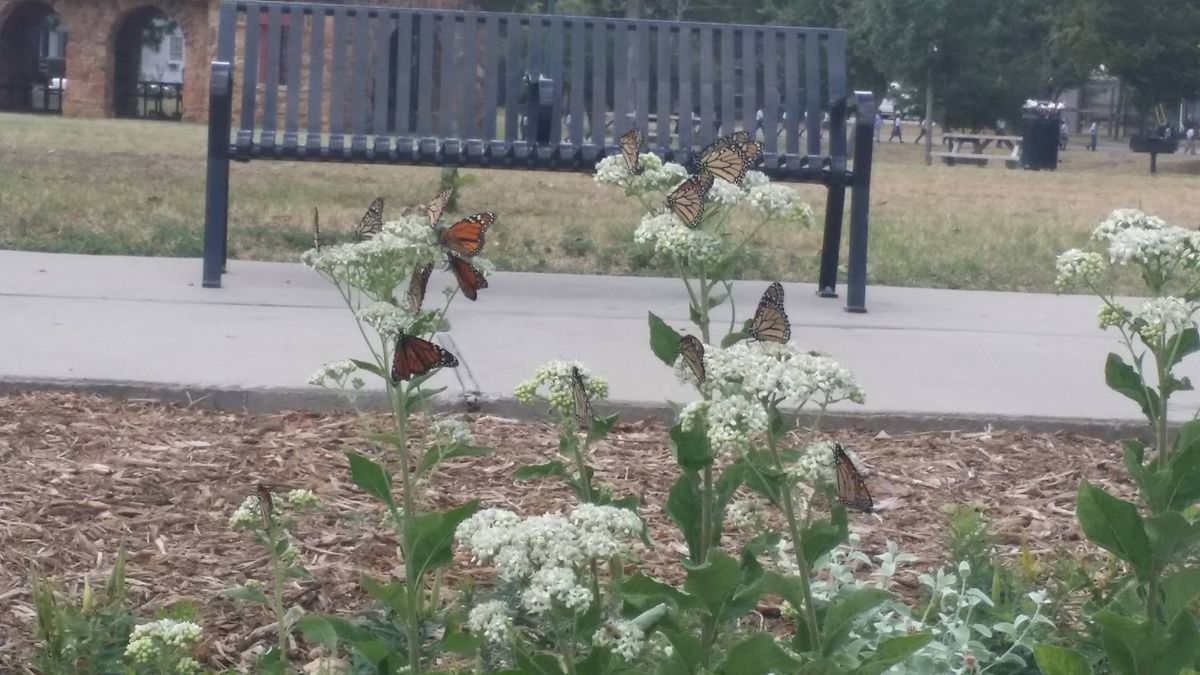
[(441, 93)]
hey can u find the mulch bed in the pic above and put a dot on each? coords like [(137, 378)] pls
[(82, 476)]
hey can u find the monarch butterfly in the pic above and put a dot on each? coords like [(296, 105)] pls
[(372, 220), (729, 157), (582, 403), (265, 505), (466, 237), (631, 144), (770, 323), (316, 229), (414, 357), (437, 207), (687, 200), (416, 287), (469, 278), (692, 351), (851, 488)]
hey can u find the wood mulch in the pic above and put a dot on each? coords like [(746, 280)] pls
[(82, 476)]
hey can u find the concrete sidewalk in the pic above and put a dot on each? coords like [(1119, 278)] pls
[(145, 327)]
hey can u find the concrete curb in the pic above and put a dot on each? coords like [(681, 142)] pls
[(263, 400)]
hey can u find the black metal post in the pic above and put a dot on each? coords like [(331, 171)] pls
[(216, 191), (860, 203), (831, 243)]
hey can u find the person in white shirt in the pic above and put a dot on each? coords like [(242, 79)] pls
[(1190, 147)]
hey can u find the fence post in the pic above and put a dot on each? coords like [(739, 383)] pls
[(216, 191)]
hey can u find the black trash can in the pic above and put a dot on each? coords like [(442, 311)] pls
[(1040, 135)]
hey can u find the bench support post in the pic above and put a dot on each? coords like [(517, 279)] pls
[(860, 203), (216, 190), (831, 241)]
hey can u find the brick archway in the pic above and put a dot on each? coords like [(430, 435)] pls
[(29, 59)]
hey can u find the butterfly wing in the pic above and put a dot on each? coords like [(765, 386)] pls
[(852, 490), (692, 351), (470, 279), (316, 229), (415, 357), (687, 200), (265, 505), (582, 403), (770, 322), (372, 220), (435, 208), (418, 285), (467, 236), (631, 146), (724, 158)]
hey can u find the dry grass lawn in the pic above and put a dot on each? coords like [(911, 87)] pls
[(137, 187)]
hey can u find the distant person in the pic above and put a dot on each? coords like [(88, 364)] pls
[(1001, 127), (924, 130), (878, 125), (1092, 132), (1063, 134), (1190, 146), (896, 131)]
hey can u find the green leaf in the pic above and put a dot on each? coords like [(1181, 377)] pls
[(1183, 485), (371, 477), (1143, 647), (1183, 344), (892, 651), (758, 655), (692, 449), (716, 299), (551, 468), (385, 438), (664, 341), (725, 589), (733, 338), (1054, 660), (683, 506), (845, 608), (1124, 379), (536, 664), (436, 455), (643, 592), (1180, 591), (369, 367), (822, 536), (694, 314), (600, 427), (432, 537), (391, 595), (1170, 535), (596, 662), (1114, 525), (248, 593)]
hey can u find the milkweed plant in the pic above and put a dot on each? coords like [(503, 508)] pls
[(379, 279), (1150, 623)]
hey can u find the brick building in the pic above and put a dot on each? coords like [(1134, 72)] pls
[(94, 75)]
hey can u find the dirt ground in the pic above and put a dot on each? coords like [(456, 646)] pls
[(82, 476)]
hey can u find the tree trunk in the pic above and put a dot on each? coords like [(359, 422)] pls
[(929, 116)]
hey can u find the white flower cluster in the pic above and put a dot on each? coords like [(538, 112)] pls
[(545, 553), (1076, 266), (303, 499), (1164, 317), (335, 373), (386, 319), (151, 642), (673, 240), (747, 515), (656, 175), (248, 515), (1133, 236), (448, 432), (748, 376), (492, 621), (726, 194), (625, 638), (815, 466), (382, 263), (781, 202), (556, 379), (754, 179)]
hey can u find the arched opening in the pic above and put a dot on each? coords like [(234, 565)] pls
[(33, 50), (148, 72)]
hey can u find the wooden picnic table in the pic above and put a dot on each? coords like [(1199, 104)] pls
[(971, 149)]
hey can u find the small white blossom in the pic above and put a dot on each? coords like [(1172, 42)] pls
[(747, 515), (150, 641), (1076, 266), (656, 175), (1164, 317), (676, 242), (334, 373), (815, 466), (303, 499), (491, 620), (248, 514), (379, 265), (1133, 236), (387, 319), (755, 179), (726, 194), (623, 637), (693, 414), (556, 379), (448, 432)]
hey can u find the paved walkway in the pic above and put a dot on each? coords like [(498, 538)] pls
[(145, 327)]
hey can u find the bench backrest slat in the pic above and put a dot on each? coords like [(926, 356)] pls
[(469, 87)]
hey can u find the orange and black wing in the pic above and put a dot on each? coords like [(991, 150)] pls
[(372, 220), (687, 200), (582, 402), (631, 147), (851, 488), (265, 505), (692, 351), (467, 236), (435, 208), (729, 157), (770, 322), (470, 279), (415, 357), (418, 285)]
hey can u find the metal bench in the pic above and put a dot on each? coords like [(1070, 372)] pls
[(345, 83)]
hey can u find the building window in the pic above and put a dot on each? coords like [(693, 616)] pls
[(176, 48), (280, 55)]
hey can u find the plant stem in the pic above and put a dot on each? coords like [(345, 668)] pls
[(398, 396), (789, 510), (277, 581), (706, 515), (703, 308)]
